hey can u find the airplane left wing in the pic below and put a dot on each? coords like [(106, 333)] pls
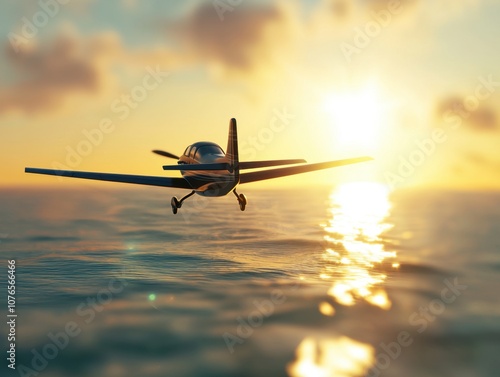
[(123, 178), (283, 172)]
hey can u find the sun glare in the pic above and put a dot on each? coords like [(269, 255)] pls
[(356, 117)]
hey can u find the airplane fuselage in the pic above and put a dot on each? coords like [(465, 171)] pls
[(208, 182)]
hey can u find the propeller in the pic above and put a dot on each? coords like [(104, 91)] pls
[(165, 154)]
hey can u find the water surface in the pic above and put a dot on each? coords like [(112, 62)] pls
[(337, 281)]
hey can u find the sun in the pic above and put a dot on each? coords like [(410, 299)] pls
[(356, 117)]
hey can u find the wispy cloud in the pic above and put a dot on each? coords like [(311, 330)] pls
[(48, 74), (484, 118), (246, 41)]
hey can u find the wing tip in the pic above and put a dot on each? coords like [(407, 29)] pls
[(365, 158)]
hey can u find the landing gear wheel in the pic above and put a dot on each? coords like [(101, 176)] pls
[(176, 204), (242, 200)]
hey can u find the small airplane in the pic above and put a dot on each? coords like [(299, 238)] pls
[(208, 171)]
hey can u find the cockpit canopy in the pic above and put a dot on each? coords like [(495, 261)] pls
[(201, 150)]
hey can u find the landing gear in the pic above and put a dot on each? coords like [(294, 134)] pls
[(176, 203), (242, 200)]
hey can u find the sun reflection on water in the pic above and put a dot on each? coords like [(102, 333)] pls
[(355, 249), (354, 262), (341, 357)]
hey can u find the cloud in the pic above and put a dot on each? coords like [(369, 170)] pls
[(47, 75), (339, 16), (353, 11), (246, 40), (483, 118), (53, 74)]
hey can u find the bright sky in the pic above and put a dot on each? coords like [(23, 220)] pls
[(96, 85)]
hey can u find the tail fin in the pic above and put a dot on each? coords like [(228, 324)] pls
[(232, 146)]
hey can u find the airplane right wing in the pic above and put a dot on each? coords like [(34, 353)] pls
[(266, 164), (283, 172)]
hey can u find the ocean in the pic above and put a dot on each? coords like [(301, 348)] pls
[(347, 280)]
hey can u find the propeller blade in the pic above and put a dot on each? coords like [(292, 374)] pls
[(165, 154)]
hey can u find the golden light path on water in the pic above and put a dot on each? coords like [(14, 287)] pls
[(353, 261), (355, 252)]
